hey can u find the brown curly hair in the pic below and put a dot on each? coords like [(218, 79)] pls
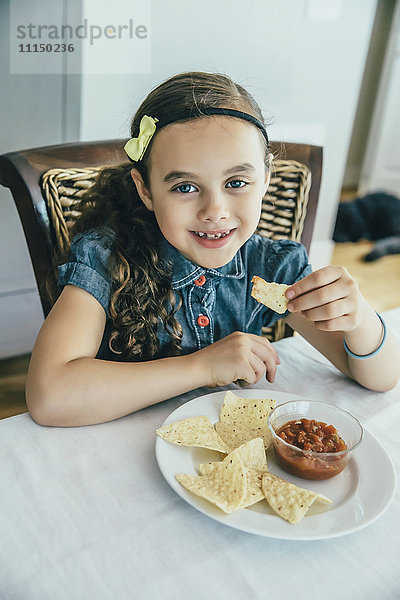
[(142, 296)]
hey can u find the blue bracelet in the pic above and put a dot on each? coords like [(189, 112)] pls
[(362, 356)]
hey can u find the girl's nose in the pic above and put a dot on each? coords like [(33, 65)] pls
[(213, 208)]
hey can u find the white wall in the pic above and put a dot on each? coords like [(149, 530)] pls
[(368, 99), (381, 167), (30, 116), (36, 110), (304, 66)]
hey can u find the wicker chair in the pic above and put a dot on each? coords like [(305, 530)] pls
[(46, 183)]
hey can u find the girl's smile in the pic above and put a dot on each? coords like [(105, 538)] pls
[(213, 239), (207, 180)]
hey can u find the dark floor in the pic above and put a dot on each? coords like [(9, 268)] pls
[(12, 385)]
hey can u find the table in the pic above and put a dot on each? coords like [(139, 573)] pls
[(85, 512)]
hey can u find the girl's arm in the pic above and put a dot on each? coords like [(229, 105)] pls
[(68, 386), (327, 305)]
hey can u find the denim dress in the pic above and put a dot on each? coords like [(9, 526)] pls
[(215, 302)]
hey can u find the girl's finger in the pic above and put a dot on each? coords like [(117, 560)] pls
[(319, 297), (331, 310), (315, 280), (264, 352), (249, 372), (260, 367), (270, 374), (270, 365)]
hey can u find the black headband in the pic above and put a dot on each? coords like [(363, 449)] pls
[(136, 146), (227, 112)]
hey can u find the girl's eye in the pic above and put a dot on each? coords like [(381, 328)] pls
[(184, 188), (237, 181)]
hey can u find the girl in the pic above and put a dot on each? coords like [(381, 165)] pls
[(155, 296)]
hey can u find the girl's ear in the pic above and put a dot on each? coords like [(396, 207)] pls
[(268, 173), (142, 189)]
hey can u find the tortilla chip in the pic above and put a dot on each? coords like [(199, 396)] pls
[(225, 485), (253, 455), (255, 464), (254, 488), (195, 431), (243, 419), (288, 500), (270, 294)]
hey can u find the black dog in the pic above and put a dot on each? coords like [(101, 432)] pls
[(374, 217)]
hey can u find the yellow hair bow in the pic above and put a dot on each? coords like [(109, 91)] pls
[(136, 147)]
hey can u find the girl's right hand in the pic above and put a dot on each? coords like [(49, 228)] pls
[(239, 357)]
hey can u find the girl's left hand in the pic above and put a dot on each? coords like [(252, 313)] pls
[(330, 298)]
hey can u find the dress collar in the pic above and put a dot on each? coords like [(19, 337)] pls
[(184, 272)]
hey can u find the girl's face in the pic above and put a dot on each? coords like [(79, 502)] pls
[(207, 179)]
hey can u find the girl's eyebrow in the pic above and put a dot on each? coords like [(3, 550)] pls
[(242, 168)]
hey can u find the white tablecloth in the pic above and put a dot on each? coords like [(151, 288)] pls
[(86, 514)]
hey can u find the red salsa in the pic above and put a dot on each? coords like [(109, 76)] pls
[(313, 449), (312, 435)]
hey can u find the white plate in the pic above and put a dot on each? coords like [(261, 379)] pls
[(360, 494)]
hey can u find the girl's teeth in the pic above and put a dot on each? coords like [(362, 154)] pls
[(211, 236)]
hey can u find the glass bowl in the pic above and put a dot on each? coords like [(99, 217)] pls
[(307, 463)]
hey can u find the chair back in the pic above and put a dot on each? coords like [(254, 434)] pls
[(47, 183)]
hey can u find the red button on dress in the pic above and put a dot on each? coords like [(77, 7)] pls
[(200, 281), (203, 321)]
